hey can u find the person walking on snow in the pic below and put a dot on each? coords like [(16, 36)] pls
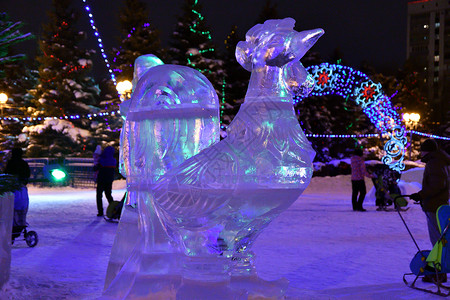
[(435, 188), (96, 157), (106, 172), (18, 167), (358, 185)]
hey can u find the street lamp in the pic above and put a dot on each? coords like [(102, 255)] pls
[(3, 100), (411, 121), (124, 89)]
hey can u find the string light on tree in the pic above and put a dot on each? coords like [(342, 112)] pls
[(100, 42), (200, 17), (66, 117), (116, 70), (207, 34), (67, 67)]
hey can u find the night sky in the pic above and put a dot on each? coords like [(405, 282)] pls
[(370, 30)]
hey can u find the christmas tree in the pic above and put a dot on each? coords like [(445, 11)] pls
[(18, 79), (15, 75), (268, 12), (191, 45), (236, 78), (138, 37), (412, 93), (65, 90), (15, 79), (65, 87), (106, 128), (10, 35)]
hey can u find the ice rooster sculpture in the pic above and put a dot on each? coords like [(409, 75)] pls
[(201, 202), (216, 203)]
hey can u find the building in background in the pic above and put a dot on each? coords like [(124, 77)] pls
[(428, 44)]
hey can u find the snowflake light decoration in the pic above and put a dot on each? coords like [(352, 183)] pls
[(367, 93), (322, 75), (347, 82)]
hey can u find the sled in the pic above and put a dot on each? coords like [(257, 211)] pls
[(399, 201), (400, 204), (435, 262), (395, 209)]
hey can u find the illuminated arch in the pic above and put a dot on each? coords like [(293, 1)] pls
[(347, 82)]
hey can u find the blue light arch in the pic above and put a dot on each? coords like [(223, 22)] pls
[(333, 79)]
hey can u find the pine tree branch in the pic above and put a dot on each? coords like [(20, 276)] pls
[(11, 41), (10, 28), (11, 58), (8, 183)]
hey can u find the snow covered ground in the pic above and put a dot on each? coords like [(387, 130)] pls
[(319, 244)]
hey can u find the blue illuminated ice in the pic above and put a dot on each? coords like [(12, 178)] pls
[(203, 202), (6, 222), (215, 204), (172, 115)]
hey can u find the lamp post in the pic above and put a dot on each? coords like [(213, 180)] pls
[(411, 121), (124, 89), (3, 100)]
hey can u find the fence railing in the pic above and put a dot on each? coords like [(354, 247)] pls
[(80, 171)]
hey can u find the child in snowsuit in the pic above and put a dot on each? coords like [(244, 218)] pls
[(386, 187)]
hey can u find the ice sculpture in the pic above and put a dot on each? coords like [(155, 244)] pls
[(128, 232), (172, 115), (6, 222), (200, 212), (215, 204)]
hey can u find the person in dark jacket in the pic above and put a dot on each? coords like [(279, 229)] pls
[(106, 172), (435, 187), (18, 167)]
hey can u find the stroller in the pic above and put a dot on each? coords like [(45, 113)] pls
[(386, 189), (20, 214), (435, 262)]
